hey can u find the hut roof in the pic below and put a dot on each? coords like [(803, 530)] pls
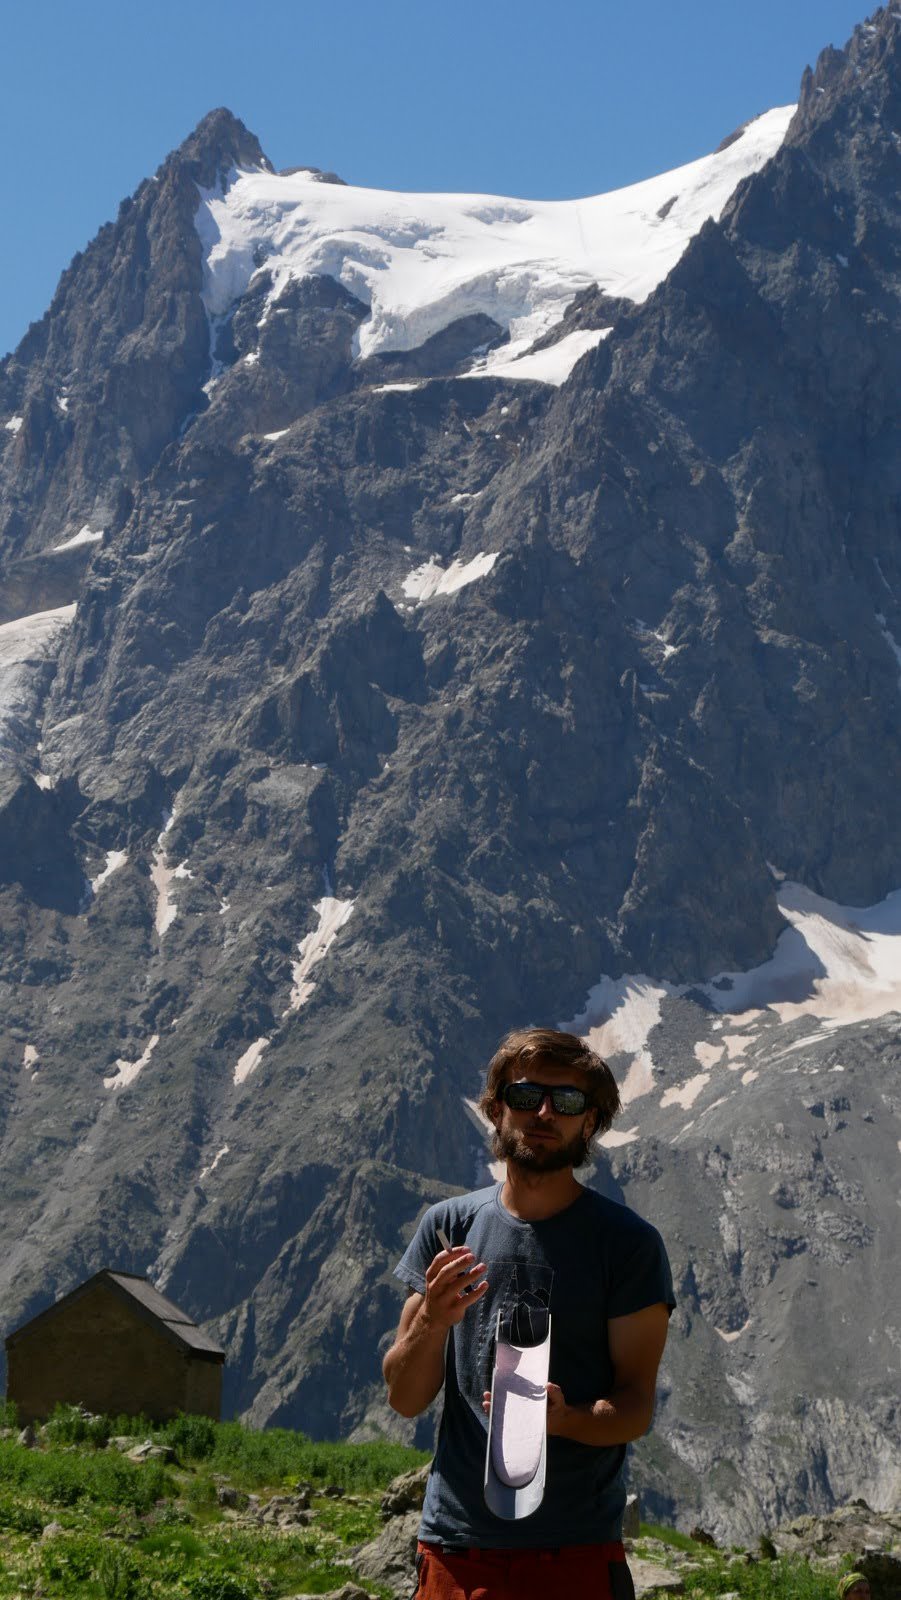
[(147, 1301)]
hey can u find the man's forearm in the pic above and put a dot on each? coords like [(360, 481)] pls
[(414, 1366), (625, 1415)]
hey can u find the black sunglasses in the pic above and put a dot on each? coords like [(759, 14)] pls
[(566, 1100)]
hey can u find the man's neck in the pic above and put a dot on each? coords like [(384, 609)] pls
[(533, 1196)]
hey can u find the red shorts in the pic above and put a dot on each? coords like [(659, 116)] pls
[(575, 1572)]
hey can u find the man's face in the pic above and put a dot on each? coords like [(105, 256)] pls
[(543, 1140)]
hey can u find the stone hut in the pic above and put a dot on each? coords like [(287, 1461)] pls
[(114, 1345)]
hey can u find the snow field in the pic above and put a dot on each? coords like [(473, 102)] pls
[(836, 965), (24, 644), (30, 638), (420, 261)]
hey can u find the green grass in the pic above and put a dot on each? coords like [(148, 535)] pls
[(767, 1580), (279, 1455), (669, 1536), (60, 1478), (715, 1572), (154, 1531)]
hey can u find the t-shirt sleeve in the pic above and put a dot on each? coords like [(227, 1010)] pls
[(641, 1276), (420, 1253)]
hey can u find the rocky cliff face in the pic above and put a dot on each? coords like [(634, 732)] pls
[(400, 705)]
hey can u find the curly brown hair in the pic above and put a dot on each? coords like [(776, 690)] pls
[(527, 1047)]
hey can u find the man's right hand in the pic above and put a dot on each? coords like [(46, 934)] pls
[(452, 1286)]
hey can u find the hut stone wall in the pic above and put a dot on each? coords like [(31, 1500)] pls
[(99, 1353)]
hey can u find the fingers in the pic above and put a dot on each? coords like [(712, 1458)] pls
[(459, 1269), (454, 1282), (460, 1254)]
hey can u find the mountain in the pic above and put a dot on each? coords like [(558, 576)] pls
[(423, 615)]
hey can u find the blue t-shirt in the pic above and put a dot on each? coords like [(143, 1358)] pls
[(591, 1262)]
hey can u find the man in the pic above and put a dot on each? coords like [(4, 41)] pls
[(538, 1238), (854, 1586)]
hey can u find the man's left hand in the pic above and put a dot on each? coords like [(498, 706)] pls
[(556, 1406)]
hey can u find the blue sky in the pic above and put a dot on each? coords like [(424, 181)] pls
[(549, 99)]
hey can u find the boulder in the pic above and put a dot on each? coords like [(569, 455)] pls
[(390, 1559), (650, 1579), (407, 1492), (348, 1591), (148, 1451), (850, 1530)]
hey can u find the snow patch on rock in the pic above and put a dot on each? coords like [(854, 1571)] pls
[(162, 875), (552, 365), (333, 915), (84, 536), (431, 579), (685, 1094), (250, 1060), (114, 860), (127, 1071), (205, 1173)]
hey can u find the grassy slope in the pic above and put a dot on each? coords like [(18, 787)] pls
[(138, 1532)]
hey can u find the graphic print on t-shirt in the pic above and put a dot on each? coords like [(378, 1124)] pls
[(521, 1292)]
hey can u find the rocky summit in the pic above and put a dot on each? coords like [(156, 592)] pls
[(424, 615)]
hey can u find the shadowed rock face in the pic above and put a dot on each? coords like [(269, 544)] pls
[(678, 669)]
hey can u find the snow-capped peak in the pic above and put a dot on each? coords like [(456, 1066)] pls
[(419, 261)]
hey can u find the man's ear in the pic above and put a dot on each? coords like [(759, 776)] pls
[(595, 1116)]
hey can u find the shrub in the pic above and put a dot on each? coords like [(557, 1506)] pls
[(116, 1574), (19, 1518), (201, 1491), (213, 1584), (70, 1558), (192, 1438), (71, 1425), (9, 1416)]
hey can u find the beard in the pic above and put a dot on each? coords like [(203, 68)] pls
[(511, 1145)]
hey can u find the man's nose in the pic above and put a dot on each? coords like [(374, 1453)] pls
[(546, 1109)]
